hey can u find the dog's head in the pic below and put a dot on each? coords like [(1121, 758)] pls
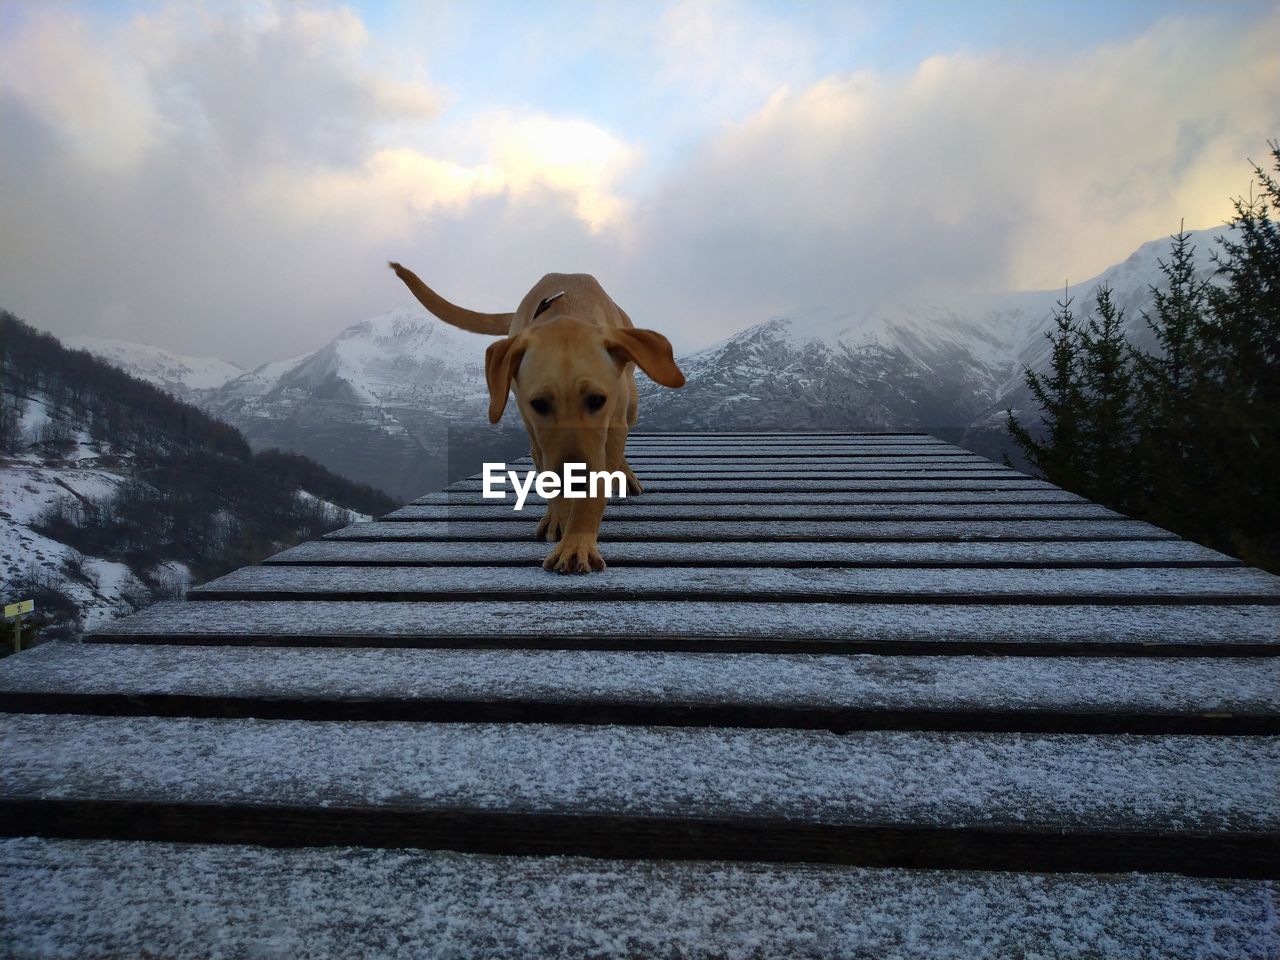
[(569, 378)]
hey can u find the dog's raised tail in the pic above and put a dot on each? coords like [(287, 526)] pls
[(495, 324)]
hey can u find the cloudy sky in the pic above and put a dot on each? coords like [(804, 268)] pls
[(229, 178)]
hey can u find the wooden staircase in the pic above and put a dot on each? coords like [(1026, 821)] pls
[(835, 695)]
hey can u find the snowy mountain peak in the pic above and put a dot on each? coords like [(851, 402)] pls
[(172, 372)]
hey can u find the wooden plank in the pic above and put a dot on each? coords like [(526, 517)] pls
[(407, 904), (821, 585), (838, 483), (792, 449), (639, 508), (816, 471), (785, 440), (807, 464), (841, 693), (855, 464), (832, 530), (984, 629), (811, 443), (808, 479), (700, 436), (826, 439), (1110, 553), (800, 455), (877, 798), (455, 498)]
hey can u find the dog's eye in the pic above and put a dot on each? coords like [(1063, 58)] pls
[(595, 401), (540, 405)]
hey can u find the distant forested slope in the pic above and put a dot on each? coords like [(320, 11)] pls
[(114, 493)]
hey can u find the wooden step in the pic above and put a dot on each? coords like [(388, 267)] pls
[(748, 529), (701, 436), (1202, 805), (604, 624), (753, 584), (768, 498), (642, 509), (738, 451), (849, 466), (1044, 555), (127, 898), (839, 693), (839, 482), (662, 461), (871, 459)]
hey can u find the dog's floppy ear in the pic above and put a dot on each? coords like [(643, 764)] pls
[(501, 361), (650, 351)]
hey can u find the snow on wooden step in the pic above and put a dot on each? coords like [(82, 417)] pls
[(847, 440), (1188, 785), (904, 444), (838, 483), (68, 898), (804, 463), (747, 529), (796, 449), (784, 465), (1107, 553), (643, 509), (767, 498), (1148, 585), (1071, 686), (641, 435), (946, 458), (800, 627)]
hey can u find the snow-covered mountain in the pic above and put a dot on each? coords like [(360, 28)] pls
[(906, 366), (187, 378), (398, 401)]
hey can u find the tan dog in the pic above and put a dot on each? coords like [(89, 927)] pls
[(571, 353)]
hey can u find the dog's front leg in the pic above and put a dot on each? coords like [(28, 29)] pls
[(553, 523), (616, 455), (578, 550)]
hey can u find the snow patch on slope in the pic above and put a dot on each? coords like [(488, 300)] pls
[(172, 372)]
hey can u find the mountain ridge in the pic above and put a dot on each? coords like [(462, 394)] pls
[(398, 400)]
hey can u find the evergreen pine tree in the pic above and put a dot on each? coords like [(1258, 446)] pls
[(1241, 389), (1106, 419), (1168, 390), (1060, 454)]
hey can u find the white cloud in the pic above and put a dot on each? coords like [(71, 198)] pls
[(728, 57), (91, 96), (216, 180), (234, 182), (969, 172)]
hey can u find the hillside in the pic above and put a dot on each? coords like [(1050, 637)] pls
[(187, 378), (114, 493)]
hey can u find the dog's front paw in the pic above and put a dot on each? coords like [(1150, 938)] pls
[(634, 487), (576, 553), (551, 526)]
